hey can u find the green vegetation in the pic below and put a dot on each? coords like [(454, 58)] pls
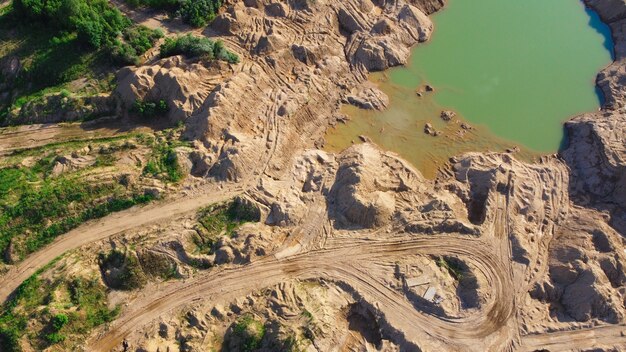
[(60, 41), (164, 164), (149, 109), (121, 270), (158, 265), (34, 215), (134, 42), (37, 206), (192, 46), (95, 22), (222, 220), (309, 328), (197, 13), (249, 332), (170, 5), (57, 323), (72, 307), (453, 266), (71, 145)]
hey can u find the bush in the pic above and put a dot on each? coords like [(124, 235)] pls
[(165, 160), (142, 38), (188, 45), (247, 334), (121, 270), (55, 337), (150, 108), (59, 321), (134, 42), (199, 13), (192, 46)]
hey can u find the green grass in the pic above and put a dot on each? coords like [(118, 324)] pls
[(41, 213), (453, 267), (36, 208), (250, 332), (35, 300), (222, 220), (164, 163)]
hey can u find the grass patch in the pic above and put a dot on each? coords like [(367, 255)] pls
[(121, 270), (164, 163), (249, 332), (222, 220), (43, 212), (64, 311), (72, 145), (454, 267), (36, 208)]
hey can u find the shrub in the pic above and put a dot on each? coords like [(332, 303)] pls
[(59, 321), (199, 13), (124, 54), (142, 38), (192, 46), (150, 108), (249, 333), (188, 45), (126, 273), (171, 5), (165, 160), (134, 42), (55, 337)]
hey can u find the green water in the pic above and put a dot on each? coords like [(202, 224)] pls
[(516, 69)]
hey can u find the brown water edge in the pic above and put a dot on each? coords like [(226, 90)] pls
[(400, 129)]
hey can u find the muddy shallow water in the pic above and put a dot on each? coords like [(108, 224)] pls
[(513, 70)]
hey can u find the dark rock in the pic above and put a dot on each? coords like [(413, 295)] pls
[(447, 115)]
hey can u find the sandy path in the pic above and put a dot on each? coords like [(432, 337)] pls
[(576, 340)]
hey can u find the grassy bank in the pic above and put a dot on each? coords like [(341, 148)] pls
[(55, 310), (37, 203)]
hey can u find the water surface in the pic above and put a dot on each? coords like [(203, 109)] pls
[(514, 70)]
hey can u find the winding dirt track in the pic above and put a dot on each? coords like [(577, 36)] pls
[(106, 227), (345, 262)]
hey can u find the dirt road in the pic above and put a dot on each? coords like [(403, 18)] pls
[(32, 136), (608, 335), (348, 262)]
